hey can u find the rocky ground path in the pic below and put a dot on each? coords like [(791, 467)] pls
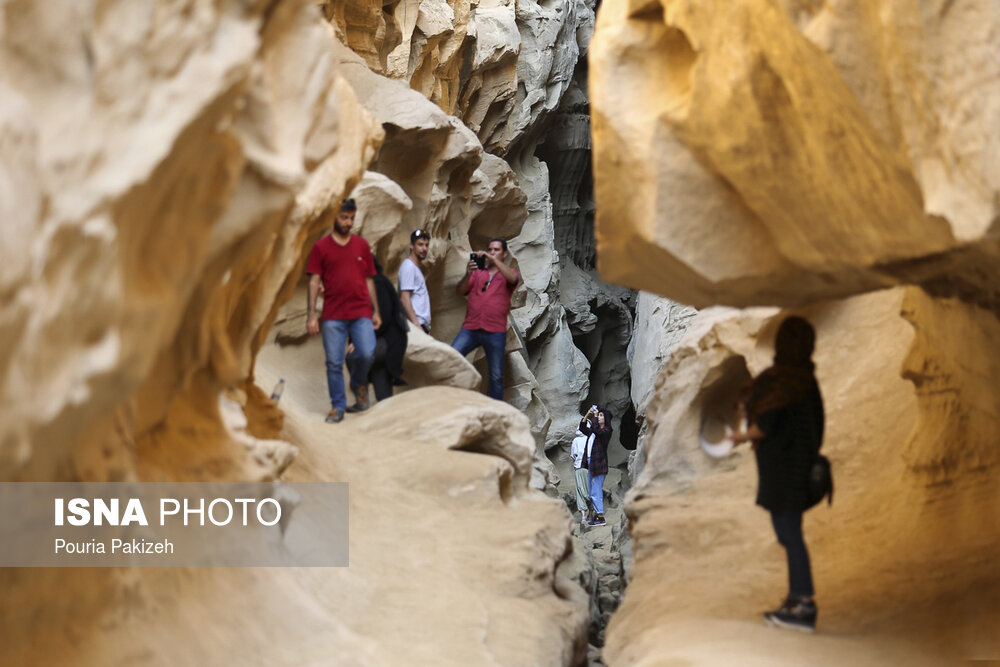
[(453, 559)]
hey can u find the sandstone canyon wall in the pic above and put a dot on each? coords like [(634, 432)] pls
[(165, 168), (518, 72), (837, 158), (515, 75)]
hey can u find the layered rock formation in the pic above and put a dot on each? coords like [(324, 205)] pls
[(166, 170), (451, 555), (431, 173), (831, 113), (792, 154), (521, 92), (659, 326), (702, 551), (160, 267)]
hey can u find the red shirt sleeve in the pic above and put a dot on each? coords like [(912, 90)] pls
[(369, 260), (315, 263)]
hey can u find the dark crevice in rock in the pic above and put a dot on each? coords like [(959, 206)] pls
[(600, 318)]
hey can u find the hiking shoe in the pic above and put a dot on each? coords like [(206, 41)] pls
[(360, 399), (794, 615), (598, 521), (786, 604), (334, 416)]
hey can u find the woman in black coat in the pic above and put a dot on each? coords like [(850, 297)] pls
[(390, 338), (785, 422), (597, 422)]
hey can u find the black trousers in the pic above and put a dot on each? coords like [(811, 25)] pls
[(788, 528), (379, 373)]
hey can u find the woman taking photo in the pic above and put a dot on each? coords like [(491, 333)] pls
[(597, 422)]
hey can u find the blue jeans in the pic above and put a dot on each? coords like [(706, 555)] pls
[(788, 528), (335, 333), (495, 346), (597, 492)]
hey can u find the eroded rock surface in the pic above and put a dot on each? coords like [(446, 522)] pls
[(159, 267), (454, 537), (702, 551), (794, 154), (525, 76), (831, 113), (165, 172)]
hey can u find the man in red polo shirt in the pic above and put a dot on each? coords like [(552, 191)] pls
[(342, 265), (489, 290)]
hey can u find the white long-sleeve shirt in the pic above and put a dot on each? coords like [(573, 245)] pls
[(581, 448)]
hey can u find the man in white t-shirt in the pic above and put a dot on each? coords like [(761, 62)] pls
[(412, 286)]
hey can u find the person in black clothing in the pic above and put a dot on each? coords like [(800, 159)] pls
[(784, 411), (390, 338), (595, 459)]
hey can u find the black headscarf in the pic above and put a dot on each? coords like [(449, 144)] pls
[(791, 377)]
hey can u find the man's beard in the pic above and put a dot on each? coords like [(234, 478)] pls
[(340, 230)]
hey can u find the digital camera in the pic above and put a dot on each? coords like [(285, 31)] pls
[(478, 259)]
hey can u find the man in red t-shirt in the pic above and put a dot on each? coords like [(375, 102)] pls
[(341, 267), (489, 289)]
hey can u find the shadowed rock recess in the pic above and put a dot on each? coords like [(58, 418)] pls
[(838, 159)]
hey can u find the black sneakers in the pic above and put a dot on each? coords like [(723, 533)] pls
[(795, 614), (598, 520)]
